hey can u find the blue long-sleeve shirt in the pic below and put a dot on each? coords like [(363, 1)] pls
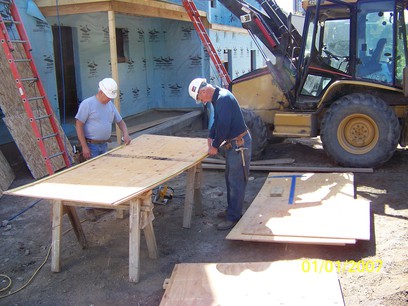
[(228, 119)]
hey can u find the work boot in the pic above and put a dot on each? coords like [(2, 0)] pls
[(226, 225), (222, 214)]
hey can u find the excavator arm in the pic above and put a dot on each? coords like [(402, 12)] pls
[(273, 28)]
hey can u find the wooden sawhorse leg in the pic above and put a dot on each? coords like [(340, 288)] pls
[(58, 210), (140, 217), (76, 225), (193, 194)]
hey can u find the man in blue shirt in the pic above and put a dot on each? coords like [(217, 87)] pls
[(230, 132)]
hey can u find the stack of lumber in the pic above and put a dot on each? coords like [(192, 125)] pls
[(311, 208)]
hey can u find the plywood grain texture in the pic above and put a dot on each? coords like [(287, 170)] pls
[(6, 174), (122, 173), (253, 283), (18, 123), (313, 208)]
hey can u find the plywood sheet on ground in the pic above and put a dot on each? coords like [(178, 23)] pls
[(121, 173), (6, 174), (261, 283), (308, 208)]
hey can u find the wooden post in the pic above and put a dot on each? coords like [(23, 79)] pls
[(114, 65), (134, 239), (57, 212), (188, 201)]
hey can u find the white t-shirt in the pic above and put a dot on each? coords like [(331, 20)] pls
[(97, 118)]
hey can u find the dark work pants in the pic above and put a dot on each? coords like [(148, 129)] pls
[(235, 178)]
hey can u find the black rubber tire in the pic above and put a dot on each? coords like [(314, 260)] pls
[(360, 130), (259, 132)]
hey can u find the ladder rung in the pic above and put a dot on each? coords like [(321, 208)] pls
[(35, 98), (8, 21), (18, 41), (22, 60), (29, 80), (50, 136), (56, 154), (42, 117)]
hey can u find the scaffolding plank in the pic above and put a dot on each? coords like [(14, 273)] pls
[(260, 283)]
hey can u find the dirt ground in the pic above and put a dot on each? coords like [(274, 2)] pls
[(99, 275)]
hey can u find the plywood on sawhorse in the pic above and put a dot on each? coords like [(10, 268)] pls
[(144, 164), (306, 208), (123, 177), (261, 283)]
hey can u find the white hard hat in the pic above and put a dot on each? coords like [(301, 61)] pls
[(195, 86), (109, 87)]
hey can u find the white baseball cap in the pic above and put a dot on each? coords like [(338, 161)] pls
[(109, 88)]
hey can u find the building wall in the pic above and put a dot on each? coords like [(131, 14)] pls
[(163, 56)]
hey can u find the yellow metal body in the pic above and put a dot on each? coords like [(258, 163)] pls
[(262, 95), (294, 124)]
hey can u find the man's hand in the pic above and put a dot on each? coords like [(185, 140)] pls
[(86, 153), (127, 139), (212, 150)]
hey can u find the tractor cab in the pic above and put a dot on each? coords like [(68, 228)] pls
[(358, 42)]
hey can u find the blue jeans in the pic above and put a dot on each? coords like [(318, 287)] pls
[(235, 178), (97, 148)]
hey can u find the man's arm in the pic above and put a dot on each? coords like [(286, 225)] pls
[(79, 126), (123, 128)]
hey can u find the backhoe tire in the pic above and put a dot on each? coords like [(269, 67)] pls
[(258, 130), (360, 130)]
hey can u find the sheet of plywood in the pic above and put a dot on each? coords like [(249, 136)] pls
[(18, 123), (6, 174), (312, 207), (261, 283), (122, 173)]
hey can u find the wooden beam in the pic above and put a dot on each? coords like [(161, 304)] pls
[(226, 28), (144, 8)]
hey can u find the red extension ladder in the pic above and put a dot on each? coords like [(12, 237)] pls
[(13, 38), (199, 26)]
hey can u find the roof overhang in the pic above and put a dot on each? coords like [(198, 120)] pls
[(145, 8)]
